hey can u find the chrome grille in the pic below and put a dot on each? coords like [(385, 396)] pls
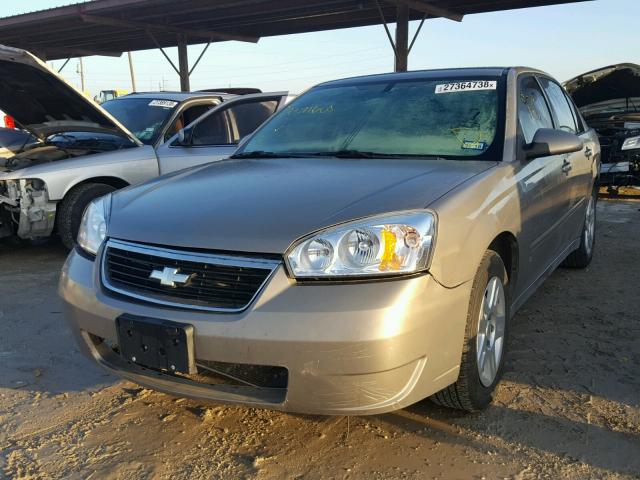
[(217, 282)]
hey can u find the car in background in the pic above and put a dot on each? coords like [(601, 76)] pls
[(609, 100), (85, 151), (106, 95), (364, 249), (155, 117)]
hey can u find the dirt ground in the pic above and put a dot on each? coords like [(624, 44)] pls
[(568, 407)]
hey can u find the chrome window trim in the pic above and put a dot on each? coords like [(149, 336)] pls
[(198, 257)]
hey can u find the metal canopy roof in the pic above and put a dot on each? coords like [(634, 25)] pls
[(110, 27)]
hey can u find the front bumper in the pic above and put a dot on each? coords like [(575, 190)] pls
[(25, 209), (350, 349)]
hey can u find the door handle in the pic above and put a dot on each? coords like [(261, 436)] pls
[(588, 152), (566, 166)]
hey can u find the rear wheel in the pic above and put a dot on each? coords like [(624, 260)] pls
[(484, 340), (581, 258), (71, 209)]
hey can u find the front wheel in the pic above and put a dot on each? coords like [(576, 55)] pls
[(581, 258), (71, 209), (484, 340)]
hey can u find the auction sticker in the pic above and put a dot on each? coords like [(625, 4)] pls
[(163, 103), (470, 86)]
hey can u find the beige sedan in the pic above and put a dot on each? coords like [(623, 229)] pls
[(365, 249)]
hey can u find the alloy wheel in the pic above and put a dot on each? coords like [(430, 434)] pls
[(490, 334), (590, 225)]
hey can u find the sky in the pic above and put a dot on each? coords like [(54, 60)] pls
[(564, 40)]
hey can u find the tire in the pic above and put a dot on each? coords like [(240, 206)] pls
[(72, 208), (471, 392), (581, 257)]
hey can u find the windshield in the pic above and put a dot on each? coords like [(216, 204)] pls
[(451, 118), (143, 117)]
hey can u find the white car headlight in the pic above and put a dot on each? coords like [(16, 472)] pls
[(378, 246), (93, 228), (631, 143)]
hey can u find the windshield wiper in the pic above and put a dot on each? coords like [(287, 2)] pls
[(264, 154), (336, 154), (366, 154)]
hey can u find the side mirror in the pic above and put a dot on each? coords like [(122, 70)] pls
[(549, 141)]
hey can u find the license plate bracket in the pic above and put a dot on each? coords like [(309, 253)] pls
[(156, 343)]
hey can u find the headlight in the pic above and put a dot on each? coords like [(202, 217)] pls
[(93, 228), (379, 246), (631, 143)]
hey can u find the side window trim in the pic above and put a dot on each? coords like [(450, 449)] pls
[(547, 101), (580, 124), (521, 80), (554, 114)]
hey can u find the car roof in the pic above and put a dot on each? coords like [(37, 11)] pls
[(177, 96), (435, 73)]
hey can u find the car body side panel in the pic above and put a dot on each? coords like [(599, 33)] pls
[(512, 198), (174, 158), (133, 165), (581, 179), (469, 218)]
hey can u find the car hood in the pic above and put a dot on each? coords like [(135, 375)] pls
[(614, 82), (43, 103), (263, 205)]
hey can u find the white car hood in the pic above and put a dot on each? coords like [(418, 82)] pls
[(43, 103)]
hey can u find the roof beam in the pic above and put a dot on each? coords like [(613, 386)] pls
[(81, 52), (427, 7), (133, 25)]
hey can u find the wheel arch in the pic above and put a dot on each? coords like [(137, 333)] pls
[(115, 182), (505, 244)]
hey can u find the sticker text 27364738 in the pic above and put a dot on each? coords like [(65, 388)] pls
[(466, 86)]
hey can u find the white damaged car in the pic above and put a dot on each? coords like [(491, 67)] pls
[(84, 152)]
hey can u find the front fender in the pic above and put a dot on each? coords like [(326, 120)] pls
[(132, 165), (469, 218)]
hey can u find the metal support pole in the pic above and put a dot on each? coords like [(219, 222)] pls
[(133, 75), (81, 71), (402, 38), (64, 64), (183, 63)]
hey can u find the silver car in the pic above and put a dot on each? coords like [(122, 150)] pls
[(86, 151), (366, 248)]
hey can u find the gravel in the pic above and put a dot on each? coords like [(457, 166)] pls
[(568, 406)]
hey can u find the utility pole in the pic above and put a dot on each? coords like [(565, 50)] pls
[(81, 72), (133, 76)]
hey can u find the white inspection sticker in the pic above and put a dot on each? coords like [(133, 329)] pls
[(466, 86), (163, 103)]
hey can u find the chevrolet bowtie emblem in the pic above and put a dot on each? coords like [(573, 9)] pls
[(169, 277)]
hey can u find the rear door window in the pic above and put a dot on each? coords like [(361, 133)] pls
[(533, 112), (562, 113), (213, 130)]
